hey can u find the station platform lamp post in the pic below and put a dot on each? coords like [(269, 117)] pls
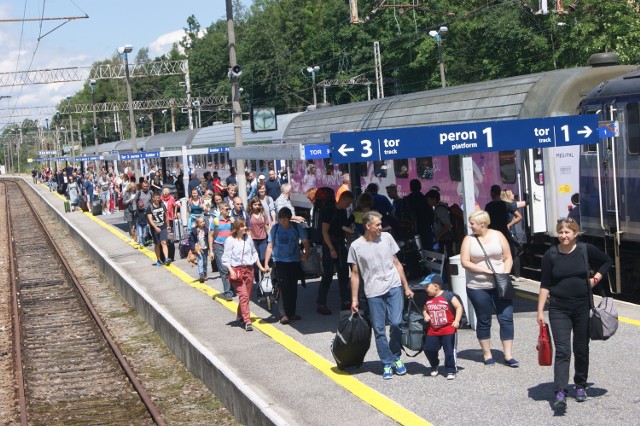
[(438, 36), (313, 70), (92, 84), (164, 119), (73, 148), (124, 51)]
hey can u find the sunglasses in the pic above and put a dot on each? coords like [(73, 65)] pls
[(566, 220)]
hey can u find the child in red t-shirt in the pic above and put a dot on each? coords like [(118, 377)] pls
[(443, 324)]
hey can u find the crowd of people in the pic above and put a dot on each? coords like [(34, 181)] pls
[(359, 240)]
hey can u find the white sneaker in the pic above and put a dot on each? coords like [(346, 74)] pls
[(433, 372), (451, 376)]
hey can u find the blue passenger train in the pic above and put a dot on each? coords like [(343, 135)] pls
[(601, 181), (610, 177)]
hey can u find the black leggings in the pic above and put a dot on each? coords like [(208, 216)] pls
[(287, 276), (565, 317)]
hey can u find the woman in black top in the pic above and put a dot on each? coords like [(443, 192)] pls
[(564, 282)]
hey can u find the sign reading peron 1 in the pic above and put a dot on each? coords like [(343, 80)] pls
[(468, 138)]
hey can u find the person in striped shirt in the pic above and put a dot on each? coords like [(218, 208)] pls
[(220, 230)]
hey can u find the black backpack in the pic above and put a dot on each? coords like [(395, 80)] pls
[(325, 197), (457, 223)]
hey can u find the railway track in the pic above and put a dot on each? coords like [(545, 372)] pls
[(68, 368)]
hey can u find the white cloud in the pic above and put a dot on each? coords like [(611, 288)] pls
[(163, 44)]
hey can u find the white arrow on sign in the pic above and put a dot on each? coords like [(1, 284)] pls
[(343, 150), (586, 132)]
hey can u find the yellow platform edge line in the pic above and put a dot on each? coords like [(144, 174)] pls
[(372, 397)]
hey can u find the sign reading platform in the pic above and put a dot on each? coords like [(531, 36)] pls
[(140, 155), (468, 138)]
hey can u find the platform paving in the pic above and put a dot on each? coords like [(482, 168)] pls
[(284, 374)]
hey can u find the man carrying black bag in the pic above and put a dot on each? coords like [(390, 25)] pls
[(373, 258)]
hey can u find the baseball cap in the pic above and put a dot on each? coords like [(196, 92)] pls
[(432, 279), (261, 177)]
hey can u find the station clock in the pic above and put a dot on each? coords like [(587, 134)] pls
[(263, 119)]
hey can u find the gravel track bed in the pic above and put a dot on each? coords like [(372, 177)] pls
[(179, 396)]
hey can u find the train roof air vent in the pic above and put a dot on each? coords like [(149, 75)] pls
[(604, 59)]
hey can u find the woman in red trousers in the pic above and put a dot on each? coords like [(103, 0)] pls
[(239, 257)]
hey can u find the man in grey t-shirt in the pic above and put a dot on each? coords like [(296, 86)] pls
[(373, 257)]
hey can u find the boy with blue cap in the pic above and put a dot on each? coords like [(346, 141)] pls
[(442, 312)]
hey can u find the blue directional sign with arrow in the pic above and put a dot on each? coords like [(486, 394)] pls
[(468, 138)]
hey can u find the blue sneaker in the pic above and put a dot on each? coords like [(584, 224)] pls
[(400, 368), (387, 372), (167, 261), (158, 263)]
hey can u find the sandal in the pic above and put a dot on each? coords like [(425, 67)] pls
[(284, 320)]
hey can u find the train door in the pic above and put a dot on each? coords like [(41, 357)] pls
[(534, 185), (629, 157)]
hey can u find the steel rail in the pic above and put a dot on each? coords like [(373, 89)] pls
[(144, 396), (17, 327)]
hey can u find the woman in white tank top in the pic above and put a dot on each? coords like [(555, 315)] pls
[(480, 284)]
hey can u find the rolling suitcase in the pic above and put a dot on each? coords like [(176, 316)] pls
[(67, 206), (96, 209), (352, 340), (171, 250), (83, 204), (184, 248)]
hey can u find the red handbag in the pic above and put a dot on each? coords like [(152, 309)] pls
[(544, 347)]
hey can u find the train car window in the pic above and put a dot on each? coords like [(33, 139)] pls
[(633, 128), (537, 166), (455, 173), (589, 148), (508, 166), (425, 167), (344, 168), (380, 169), (401, 168)]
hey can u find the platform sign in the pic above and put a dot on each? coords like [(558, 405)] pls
[(140, 155), (47, 153), (608, 129), (459, 139), (316, 152), (218, 150), (90, 158)]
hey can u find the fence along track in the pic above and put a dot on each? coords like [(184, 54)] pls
[(72, 372)]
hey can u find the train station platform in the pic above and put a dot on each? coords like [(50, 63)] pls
[(285, 374)]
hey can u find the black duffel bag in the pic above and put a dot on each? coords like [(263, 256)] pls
[(352, 340)]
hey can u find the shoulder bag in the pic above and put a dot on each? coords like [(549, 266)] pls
[(603, 319), (502, 280)]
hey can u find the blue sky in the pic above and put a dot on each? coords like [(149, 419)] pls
[(112, 23)]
